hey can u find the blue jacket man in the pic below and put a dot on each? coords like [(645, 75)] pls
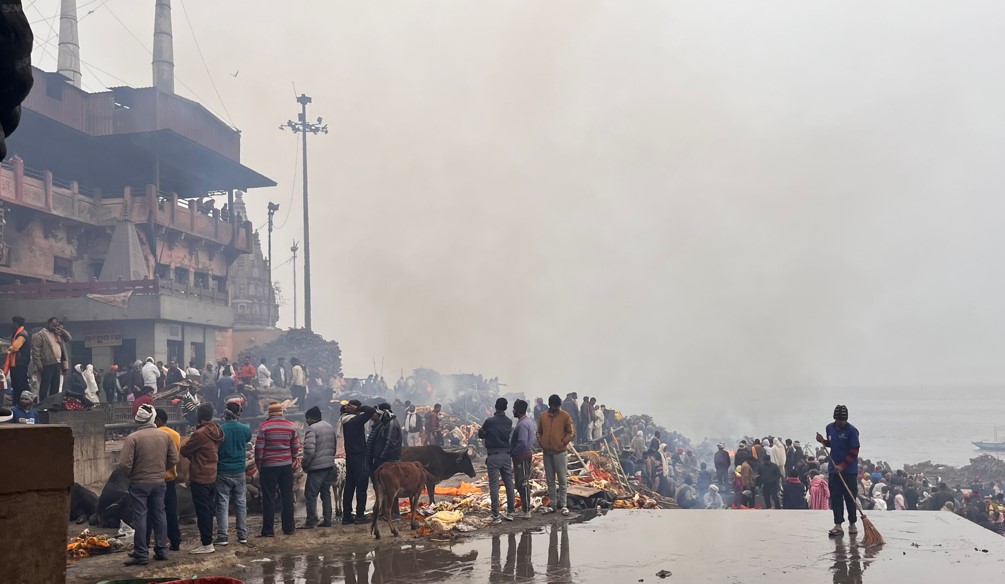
[(842, 439)]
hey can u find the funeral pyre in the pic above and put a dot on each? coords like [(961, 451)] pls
[(595, 482)]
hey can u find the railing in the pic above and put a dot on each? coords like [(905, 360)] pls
[(51, 290), (58, 290), (187, 291), (41, 190)]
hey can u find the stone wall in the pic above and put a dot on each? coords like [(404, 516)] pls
[(35, 502), (90, 465)]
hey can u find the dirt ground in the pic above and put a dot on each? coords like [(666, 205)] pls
[(231, 559), (227, 560)]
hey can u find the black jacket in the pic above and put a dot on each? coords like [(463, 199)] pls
[(384, 443), (496, 432), (131, 380), (941, 497), (721, 460), (911, 498), (770, 474), (173, 376), (280, 376), (793, 495), (77, 383), (790, 458), (569, 405), (24, 353), (108, 384), (742, 455), (354, 431)]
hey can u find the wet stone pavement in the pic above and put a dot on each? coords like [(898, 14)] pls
[(693, 546)]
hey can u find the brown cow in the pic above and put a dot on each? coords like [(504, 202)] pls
[(392, 480)]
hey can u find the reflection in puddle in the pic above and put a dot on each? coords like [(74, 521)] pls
[(851, 560), (412, 564), (511, 560)]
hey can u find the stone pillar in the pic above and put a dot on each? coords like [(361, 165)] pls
[(35, 502), (90, 467)]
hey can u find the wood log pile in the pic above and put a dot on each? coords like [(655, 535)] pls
[(312, 350), (984, 468)]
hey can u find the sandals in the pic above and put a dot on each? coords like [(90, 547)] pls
[(835, 532), (852, 529)]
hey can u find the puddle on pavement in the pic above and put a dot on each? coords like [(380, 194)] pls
[(629, 546)]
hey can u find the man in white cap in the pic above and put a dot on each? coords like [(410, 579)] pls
[(712, 499), (146, 456), (721, 462)]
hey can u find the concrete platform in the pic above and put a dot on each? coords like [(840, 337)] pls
[(695, 546)]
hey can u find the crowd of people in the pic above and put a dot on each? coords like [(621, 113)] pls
[(766, 473), (363, 438), (776, 473)]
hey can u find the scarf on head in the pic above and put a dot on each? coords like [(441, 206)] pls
[(12, 357)]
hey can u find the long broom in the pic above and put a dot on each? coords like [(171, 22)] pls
[(872, 536)]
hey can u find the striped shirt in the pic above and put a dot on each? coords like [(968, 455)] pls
[(276, 443)]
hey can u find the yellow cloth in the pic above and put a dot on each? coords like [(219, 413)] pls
[(445, 520), (172, 473)]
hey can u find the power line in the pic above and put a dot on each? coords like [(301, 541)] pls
[(52, 33), (293, 183), (84, 5), (96, 68), (288, 260), (150, 52), (293, 190), (204, 64)]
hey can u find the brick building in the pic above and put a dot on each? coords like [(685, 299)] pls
[(119, 216)]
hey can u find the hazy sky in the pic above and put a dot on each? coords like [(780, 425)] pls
[(608, 196)]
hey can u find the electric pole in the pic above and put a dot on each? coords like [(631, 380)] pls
[(273, 207), (294, 249), (304, 127)]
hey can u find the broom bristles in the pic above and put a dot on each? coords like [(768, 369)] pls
[(872, 536)]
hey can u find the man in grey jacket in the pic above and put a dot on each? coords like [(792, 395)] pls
[(146, 455), (319, 464), (49, 356)]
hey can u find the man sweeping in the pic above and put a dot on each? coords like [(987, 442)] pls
[(842, 439)]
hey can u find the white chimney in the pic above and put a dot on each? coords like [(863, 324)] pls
[(68, 62), (163, 62)]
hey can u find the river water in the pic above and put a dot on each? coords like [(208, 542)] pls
[(894, 427)]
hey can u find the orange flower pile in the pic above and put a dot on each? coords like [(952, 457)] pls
[(86, 545)]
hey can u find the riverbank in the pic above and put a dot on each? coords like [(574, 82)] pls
[(240, 561)]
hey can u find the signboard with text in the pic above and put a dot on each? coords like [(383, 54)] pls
[(102, 340)]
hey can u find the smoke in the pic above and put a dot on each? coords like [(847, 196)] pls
[(654, 202)]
